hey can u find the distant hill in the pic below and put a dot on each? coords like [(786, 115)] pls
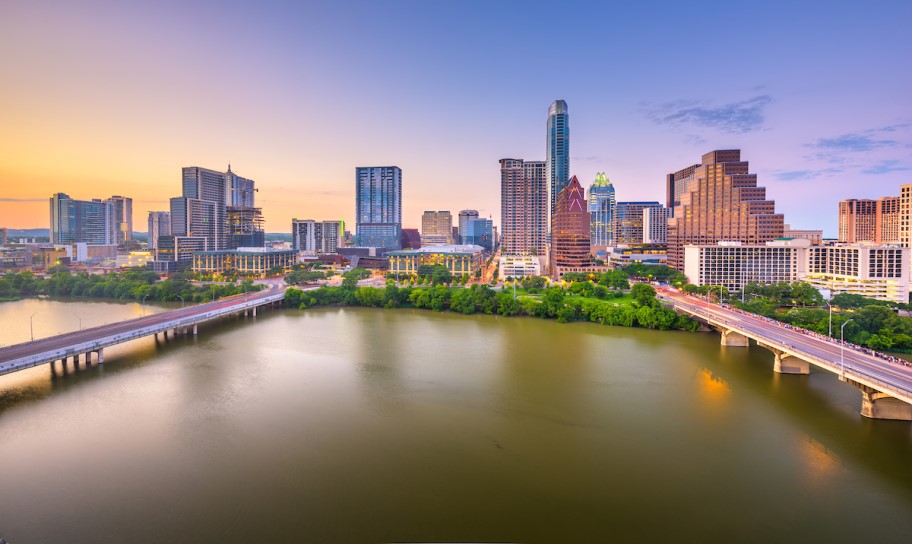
[(283, 236), (28, 233)]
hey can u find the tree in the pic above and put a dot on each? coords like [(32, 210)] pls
[(644, 294)]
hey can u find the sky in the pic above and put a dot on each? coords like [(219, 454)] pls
[(105, 98)]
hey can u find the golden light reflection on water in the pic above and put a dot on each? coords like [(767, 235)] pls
[(820, 464), (712, 388)]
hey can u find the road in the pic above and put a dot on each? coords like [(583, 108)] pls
[(62, 341), (857, 365)]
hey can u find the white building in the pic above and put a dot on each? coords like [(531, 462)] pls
[(316, 237), (655, 225), (875, 271), (519, 266)]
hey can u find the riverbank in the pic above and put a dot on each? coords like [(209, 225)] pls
[(639, 309)]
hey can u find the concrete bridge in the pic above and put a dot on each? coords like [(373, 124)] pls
[(93, 341), (886, 387)]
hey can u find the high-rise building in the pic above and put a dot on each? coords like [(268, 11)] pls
[(317, 237), (721, 202), (201, 209), (242, 190), (123, 217), (655, 225), (436, 228), (602, 207), (676, 185), (245, 227), (464, 217), (159, 225), (905, 215), (570, 229), (523, 207), (889, 219), (479, 232), (378, 206), (558, 150), (89, 221), (857, 220), (628, 221)]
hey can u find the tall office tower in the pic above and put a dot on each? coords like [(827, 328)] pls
[(123, 216), (655, 225), (602, 205), (857, 220), (479, 232), (722, 202), (159, 225), (89, 221), (464, 217), (202, 209), (676, 185), (436, 228), (889, 219), (558, 149), (317, 237), (242, 190), (2, 236), (628, 221), (570, 229), (905, 215), (523, 206), (378, 206)]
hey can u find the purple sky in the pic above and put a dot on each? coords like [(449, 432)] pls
[(103, 98)]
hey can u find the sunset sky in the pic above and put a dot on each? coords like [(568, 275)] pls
[(103, 98)]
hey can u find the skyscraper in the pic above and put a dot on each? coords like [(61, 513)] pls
[(90, 221), (123, 217), (558, 150), (378, 206), (523, 206), (317, 237), (676, 186), (436, 228), (857, 220), (722, 202), (464, 217), (628, 221), (201, 209), (159, 225), (655, 225), (602, 206), (242, 190), (570, 229), (479, 232), (889, 220)]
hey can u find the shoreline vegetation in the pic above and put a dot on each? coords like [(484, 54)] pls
[(129, 285)]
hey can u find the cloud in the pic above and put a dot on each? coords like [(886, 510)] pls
[(798, 175), (866, 140), (885, 167), (590, 158), (735, 118), (23, 199)]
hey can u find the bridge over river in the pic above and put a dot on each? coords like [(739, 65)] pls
[(93, 341), (886, 386)]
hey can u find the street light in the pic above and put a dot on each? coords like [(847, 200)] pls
[(842, 346), (80, 321), (144, 304), (830, 333), (182, 303), (31, 327)]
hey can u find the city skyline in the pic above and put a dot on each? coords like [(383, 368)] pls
[(97, 108)]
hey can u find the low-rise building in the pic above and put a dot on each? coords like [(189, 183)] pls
[(871, 270), (459, 259), (519, 266), (625, 254), (247, 261)]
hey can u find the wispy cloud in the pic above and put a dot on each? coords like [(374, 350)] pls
[(735, 118), (866, 140), (885, 167), (23, 199), (799, 175), (590, 158)]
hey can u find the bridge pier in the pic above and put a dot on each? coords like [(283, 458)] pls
[(194, 329), (254, 311), (100, 354), (877, 405), (789, 364), (734, 338)]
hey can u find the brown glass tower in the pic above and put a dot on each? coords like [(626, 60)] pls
[(721, 202), (570, 228)]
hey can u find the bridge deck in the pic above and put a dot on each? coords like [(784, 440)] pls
[(21, 356)]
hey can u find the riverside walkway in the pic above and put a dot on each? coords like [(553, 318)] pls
[(86, 342), (886, 386)]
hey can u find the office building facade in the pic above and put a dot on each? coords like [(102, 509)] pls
[(602, 208), (721, 202), (480, 232), (464, 217), (90, 221), (458, 259), (570, 229), (558, 150), (123, 218), (628, 221), (378, 206), (159, 225), (524, 207), (655, 225), (436, 228), (316, 237)]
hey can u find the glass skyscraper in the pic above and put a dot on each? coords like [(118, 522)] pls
[(378, 203), (558, 145), (602, 207)]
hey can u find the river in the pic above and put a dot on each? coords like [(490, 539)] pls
[(364, 425)]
